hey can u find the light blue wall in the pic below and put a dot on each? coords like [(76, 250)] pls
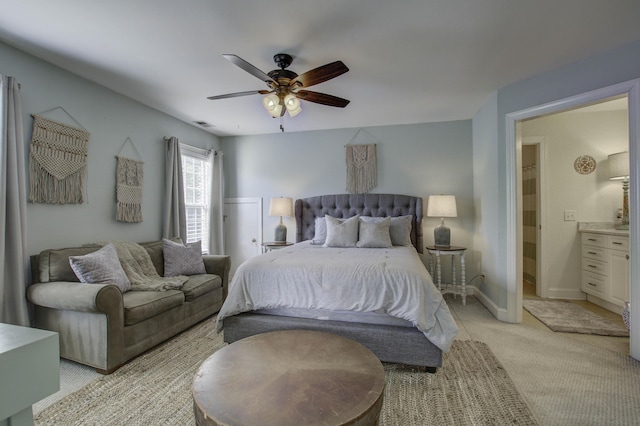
[(486, 196), (415, 159), (111, 118), (612, 67)]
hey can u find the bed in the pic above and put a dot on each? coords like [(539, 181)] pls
[(383, 298)]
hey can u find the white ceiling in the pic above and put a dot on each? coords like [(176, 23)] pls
[(411, 61)]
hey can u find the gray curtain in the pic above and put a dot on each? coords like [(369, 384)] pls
[(216, 212), (175, 222), (14, 262)]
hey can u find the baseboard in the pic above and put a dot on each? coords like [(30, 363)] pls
[(604, 304), (496, 311), (563, 293)]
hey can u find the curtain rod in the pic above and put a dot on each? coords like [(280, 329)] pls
[(215, 151)]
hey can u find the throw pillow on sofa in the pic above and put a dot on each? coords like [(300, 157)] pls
[(101, 267), (180, 259)]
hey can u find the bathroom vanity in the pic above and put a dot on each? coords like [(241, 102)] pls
[(605, 264)]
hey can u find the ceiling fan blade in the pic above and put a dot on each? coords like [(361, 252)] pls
[(320, 74), (237, 94), (321, 98), (248, 67)]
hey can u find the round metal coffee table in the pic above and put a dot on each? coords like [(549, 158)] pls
[(291, 377)]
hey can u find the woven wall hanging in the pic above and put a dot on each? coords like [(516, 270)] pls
[(129, 179), (362, 175), (57, 162), (361, 168)]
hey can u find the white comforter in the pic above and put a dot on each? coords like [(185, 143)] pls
[(392, 281)]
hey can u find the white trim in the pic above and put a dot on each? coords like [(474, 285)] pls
[(563, 293), (257, 201), (499, 313), (514, 263)]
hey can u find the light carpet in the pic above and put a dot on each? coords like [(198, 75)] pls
[(565, 381), (567, 317), (471, 388)]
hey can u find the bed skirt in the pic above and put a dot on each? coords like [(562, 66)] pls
[(399, 345)]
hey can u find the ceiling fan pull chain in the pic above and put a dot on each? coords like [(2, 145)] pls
[(282, 124)]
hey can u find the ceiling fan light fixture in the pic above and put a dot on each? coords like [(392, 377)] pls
[(272, 104), (292, 104)]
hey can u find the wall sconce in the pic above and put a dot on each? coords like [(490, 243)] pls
[(442, 206), (282, 206), (619, 170)]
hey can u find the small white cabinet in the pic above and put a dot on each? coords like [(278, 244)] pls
[(605, 267)]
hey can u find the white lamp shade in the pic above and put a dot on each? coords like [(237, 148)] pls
[(619, 165), (442, 206), (292, 104), (272, 104), (282, 206)]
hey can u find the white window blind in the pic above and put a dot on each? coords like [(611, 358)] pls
[(196, 171)]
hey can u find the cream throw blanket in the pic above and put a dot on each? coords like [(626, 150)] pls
[(139, 268)]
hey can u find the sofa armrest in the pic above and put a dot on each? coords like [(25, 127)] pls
[(77, 297), (89, 319), (219, 265)]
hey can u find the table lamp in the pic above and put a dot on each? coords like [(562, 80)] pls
[(619, 170), (442, 206), (282, 206)]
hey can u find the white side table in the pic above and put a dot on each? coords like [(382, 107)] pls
[(453, 287)]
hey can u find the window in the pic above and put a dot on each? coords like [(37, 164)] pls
[(196, 171)]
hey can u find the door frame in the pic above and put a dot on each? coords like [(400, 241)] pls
[(259, 204), (513, 149)]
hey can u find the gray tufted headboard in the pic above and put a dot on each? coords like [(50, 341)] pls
[(348, 205)]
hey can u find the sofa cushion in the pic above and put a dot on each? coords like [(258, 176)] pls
[(141, 305), (154, 248), (54, 264), (181, 259), (199, 285)]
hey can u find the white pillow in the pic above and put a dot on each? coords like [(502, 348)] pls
[(320, 231), (341, 232), (182, 259), (101, 267), (374, 234), (399, 230)]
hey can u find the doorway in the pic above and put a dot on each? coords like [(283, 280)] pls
[(243, 229), (513, 147)]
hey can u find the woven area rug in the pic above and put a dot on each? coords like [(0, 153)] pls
[(471, 388), (568, 317)]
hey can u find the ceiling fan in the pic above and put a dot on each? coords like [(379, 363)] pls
[(286, 88)]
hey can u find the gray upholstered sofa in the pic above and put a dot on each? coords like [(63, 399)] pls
[(102, 327)]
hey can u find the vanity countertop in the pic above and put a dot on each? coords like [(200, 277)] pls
[(601, 228)]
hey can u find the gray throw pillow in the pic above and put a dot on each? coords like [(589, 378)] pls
[(100, 267), (399, 230), (374, 234), (320, 231), (341, 232), (182, 259)]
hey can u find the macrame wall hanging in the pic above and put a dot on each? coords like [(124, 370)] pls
[(362, 174), (129, 178), (57, 161)]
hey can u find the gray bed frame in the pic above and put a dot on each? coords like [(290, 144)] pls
[(395, 344)]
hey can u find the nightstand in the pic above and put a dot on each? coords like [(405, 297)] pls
[(274, 245), (453, 287)]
